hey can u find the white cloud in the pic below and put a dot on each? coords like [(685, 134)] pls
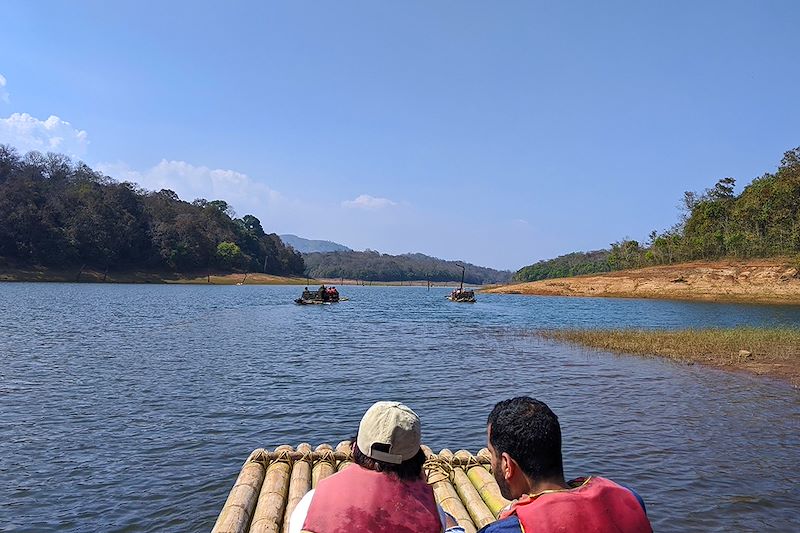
[(245, 194), (3, 92), (27, 133), (366, 201)]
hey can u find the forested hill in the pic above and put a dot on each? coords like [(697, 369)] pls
[(762, 221), (564, 266), (374, 266), (54, 212)]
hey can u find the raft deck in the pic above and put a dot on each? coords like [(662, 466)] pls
[(271, 484)]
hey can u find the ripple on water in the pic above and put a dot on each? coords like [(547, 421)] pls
[(131, 408)]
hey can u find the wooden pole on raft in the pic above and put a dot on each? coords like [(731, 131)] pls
[(238, 508), (271, 483), (325, 465), (485, 484), (446, 496), (299, 483), (272, 498), (345, 454), (344, 447), (480, 513), (483, 453)]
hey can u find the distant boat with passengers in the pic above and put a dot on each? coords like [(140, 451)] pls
[(460, 294), (322, 296)]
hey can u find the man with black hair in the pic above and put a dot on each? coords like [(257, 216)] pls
[(384, 490), (524, 440)]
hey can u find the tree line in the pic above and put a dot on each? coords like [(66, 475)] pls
[(54, 212), (564, 266), (762, 221), (374, 266)]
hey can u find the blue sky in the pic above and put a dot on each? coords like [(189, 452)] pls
[(495, 132)]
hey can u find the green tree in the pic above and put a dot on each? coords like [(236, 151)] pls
[(223, 207), (229, 255)]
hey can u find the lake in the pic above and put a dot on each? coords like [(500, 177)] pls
[(132, 407)]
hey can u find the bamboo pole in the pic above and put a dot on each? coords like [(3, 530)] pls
[(480, 513), (484, 454), (344, 447), (272, 498), (486, 485), (346, 455), (324, 466), (238, 508), (299, 483), (268, 488), (446, 496), (314, 456)]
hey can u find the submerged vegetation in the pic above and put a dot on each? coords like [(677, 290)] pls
[(762, 221), (57, 213), (769, 351)]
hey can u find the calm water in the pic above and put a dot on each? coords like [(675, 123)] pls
[(131, 408)]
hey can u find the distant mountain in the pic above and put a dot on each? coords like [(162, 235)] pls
[(374, 266), (307, 246)]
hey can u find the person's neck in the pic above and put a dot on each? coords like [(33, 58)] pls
[(541, 485)]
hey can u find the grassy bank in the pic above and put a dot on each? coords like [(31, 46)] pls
[(773, 352), (95, 276)]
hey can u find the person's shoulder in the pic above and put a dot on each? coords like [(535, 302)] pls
[(505, 525), (622, 486)]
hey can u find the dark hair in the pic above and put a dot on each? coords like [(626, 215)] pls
[(529, 432), (407, 470)]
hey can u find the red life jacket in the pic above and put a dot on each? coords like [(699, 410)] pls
[(598, 505), (357, 499)]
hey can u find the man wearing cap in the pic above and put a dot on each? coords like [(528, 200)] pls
[(383, 491), (524, 440)]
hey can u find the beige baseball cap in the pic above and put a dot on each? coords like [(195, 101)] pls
[(393, 424)]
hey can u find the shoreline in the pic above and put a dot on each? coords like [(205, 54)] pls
[(769, 352), (413, 283), (75, 275), (47, 275), (757, 281)]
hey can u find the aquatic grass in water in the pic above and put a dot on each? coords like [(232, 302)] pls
[(762, 350)]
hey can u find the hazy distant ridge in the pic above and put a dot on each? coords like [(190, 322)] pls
[(307, 246)]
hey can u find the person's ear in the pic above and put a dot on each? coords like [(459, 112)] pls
[(508, 466)]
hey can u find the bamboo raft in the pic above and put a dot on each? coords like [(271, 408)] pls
[(271, 484)]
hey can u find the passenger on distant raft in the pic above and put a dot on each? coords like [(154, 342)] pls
[(524, 439), (384, 490)]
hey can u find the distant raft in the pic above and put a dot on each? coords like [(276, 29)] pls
[(323, 296), (462, 295), (271, 484)]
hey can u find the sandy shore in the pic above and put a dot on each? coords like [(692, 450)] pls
[(757, 281), (773, 352)]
